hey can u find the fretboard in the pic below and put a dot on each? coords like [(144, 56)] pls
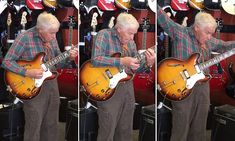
[(57, 59), (216, 59)]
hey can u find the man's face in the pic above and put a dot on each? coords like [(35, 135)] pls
[(204, 34), (126, 34), (48, 35)]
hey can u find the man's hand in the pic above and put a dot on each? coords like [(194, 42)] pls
[(150, 57), (34, 73), (73, 52), (130, 62)]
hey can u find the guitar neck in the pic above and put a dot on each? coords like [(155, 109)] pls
[(70, 36), (166, 45), (140, 55), (57, 59), (144, 39), (8, 32), (217, 59)]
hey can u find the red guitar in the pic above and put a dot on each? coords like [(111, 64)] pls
[(219, 78), (106, 5), (144, 82), (34, 4), (180, 5)]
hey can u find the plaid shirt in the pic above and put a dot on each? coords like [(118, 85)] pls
[(25, 47), (184, 42), (107, 43)]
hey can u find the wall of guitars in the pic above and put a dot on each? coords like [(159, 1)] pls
[(16, 16), (99, 14), (183, 12)]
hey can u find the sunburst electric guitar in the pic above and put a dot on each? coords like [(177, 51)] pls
[(25, 87), (176, 78), (99, 83)]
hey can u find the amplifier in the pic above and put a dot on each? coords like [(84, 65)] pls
[(88, 124), (164, 124), (147, 123), (223, 123), (12, 122)]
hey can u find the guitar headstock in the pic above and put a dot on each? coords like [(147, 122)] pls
[(111, 22), (145, 23), (71, 22), (219, 22), (9, 21), (23, 19), (184, 22), (94, 21)]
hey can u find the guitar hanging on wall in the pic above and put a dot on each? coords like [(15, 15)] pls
[(180, 5), (23, 21), (219, 78), (89, 37), (123, 4), (5, 41), (34, 4), (228, 6), (71, 24), (144, 82)]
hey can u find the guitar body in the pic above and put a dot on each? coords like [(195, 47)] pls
[(180, 5), (68, 82), (100, 82), (106, 5), (123, 4), (50, 3), (26, 87), (212, 4), (176, 78), (144, 86), (152, 5), (196, 4), (144, 82), (139, 4), (228, 6), (219, 80), (65, 3), (3, 5), (34, 5), (76, 3)]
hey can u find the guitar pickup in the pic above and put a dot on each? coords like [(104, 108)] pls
[(108, 73), (186, 74)]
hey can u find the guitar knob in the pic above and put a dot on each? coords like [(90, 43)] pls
[(9, 88)]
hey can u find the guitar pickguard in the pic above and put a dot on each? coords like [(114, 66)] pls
[(46, 74), (116, 78)]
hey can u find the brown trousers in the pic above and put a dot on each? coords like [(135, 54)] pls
[(115, 116), (41, 114), (189, 117)]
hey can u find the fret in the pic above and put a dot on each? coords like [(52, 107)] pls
[(217, 59)]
